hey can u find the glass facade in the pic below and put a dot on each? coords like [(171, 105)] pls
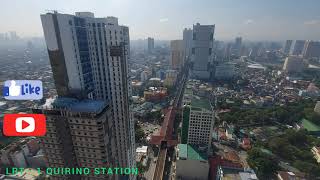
[(81, 33)]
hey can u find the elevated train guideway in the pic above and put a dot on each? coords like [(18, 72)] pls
[(158, 173), (165, 133), (164, 139)]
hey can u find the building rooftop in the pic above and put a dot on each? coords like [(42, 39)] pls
[(2, 103), (142, 149), (183, 151), (198, 102), (190, 152), (192, 169), (290, 175), (12, 108), (88, 105), (154, 79), (247, 176), (28, 174), (234, 173), (194, 153)]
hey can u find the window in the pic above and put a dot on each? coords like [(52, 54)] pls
[(194, 37), (210, 51), (193, 51)]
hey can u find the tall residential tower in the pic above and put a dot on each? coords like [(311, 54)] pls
[(187, 41), (89, 57), (311, 49), (177, 54), (237, 46), (150, 44), (202, 51), (298, 47), (287, 47)]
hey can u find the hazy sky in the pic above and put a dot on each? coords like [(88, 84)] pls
[(165, 19)]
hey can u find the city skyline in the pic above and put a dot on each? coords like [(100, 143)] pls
[(213, 89), (252, 20)]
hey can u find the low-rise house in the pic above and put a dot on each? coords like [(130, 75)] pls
[(142, 155), (283, 175), (316, 152)]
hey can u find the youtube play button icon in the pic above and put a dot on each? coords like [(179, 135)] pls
[(24, 125)]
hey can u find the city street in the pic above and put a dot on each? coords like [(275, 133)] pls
[(149, 174)]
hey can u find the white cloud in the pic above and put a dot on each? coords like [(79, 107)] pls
[(164, 20), (312, 22), (248, 21)]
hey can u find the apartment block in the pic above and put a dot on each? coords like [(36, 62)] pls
[(88, 56), (79, 134), (202, 51)]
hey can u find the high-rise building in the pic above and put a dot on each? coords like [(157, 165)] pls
[(298, 47), (89, 57), (224, 71), (13, 155), (202, 51), (311, 49), (294, 64), (80, 133), (236, 50), (227, 51), (200, 122), (256, 50), (187, 41), (244, 51), (13, 35), (150, 44), (287, 47), (144, 76), (177, 54), (171, 77)]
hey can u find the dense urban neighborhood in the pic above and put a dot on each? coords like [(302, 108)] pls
[(190, 108)]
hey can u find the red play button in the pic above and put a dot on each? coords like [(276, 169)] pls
[(25, 124)]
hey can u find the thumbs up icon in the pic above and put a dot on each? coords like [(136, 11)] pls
[(13, 89)]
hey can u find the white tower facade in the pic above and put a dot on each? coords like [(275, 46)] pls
[(89, 58)]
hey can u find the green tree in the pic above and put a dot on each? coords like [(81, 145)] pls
[(156, 115), (139, 133), (264, 165), (141, 168), (312, 170)]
